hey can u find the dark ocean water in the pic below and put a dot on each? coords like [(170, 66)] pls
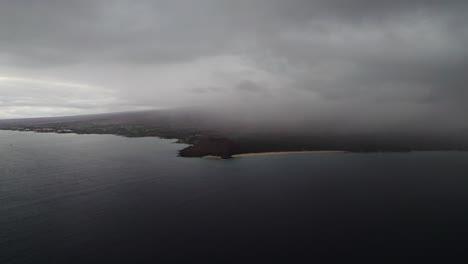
[(108, 199)]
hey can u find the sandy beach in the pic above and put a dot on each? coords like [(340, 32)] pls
[(285, 153), (277, 153), (211, 157)]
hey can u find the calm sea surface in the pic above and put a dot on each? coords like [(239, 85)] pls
[(108, 199)]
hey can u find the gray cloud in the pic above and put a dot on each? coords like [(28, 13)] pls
[(358, 60), (250, 87), (203, 90)]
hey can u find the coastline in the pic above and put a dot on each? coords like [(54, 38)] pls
[(244, 155), (212, 157), (285, 153)]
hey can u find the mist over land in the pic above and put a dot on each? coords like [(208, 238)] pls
[(344, 67), (218, 134)]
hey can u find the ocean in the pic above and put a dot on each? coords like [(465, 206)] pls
[(67, 198)]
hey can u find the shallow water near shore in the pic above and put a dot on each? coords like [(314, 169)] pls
[(101, 198)]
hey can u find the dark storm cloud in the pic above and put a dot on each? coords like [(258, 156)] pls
[(357, 60), (53, 32)]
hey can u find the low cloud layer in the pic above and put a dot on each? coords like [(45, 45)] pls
[(372, 63)]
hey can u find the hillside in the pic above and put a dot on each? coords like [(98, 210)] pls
[(213, 135)]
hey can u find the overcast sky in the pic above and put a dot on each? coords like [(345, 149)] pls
[(393, 60)]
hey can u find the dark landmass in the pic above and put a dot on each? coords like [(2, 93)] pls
[(213, 135), (220, 147)]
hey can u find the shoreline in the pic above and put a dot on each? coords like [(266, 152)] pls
[(243, 155), (286, 153)]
